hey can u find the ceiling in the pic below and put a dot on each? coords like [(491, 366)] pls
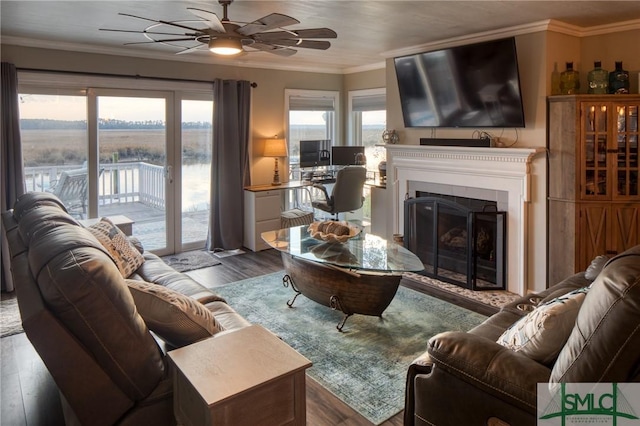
[(368, 31)]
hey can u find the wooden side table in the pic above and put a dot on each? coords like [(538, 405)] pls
[(246, 376)]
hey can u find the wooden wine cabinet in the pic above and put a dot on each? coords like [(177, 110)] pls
[(594, 203)]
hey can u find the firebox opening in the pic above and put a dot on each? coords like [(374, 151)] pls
[(460, 240)]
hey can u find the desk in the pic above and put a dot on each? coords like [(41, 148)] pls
[(262, 208)]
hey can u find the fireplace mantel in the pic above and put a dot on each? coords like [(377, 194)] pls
[(497, 169)]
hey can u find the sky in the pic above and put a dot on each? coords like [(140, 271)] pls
[(55, 107)]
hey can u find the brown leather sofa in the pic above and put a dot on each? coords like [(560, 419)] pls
[(80, 316), (469, 379)]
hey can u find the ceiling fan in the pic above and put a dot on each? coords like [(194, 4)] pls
[(225, 37)]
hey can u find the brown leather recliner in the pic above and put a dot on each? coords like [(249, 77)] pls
[(469, 379), (80, 316)]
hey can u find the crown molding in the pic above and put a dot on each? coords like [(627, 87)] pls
[(533, 27), (363, 68), (633, 24)]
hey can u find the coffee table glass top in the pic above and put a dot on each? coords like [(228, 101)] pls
[(366, 252)]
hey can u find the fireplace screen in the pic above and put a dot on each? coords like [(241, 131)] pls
[(463, 244)]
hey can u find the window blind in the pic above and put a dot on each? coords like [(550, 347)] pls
[(369, 103), (308, 103)]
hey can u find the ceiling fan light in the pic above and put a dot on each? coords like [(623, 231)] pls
[(225, 46)]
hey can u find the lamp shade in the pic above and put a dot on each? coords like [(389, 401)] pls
[(225, 46), (275, 148)]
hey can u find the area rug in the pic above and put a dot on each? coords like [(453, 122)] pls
[(495, 298), (190, 260), (10, 321), (365, 365)]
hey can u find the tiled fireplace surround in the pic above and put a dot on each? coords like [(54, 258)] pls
[(495, 174)]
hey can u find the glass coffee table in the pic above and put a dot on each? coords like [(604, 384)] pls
[(358, 276)]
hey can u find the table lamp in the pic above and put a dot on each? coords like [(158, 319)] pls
[(275, 148)]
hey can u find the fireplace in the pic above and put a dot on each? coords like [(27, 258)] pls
[(460, 240), (498, 174)]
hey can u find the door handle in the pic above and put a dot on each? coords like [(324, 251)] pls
[(168, 173)]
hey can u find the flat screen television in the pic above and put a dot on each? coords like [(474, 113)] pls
[(345, 155), (476, 85), (315, 153)]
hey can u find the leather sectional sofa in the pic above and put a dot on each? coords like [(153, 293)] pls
[(91, 325), (489, 375)]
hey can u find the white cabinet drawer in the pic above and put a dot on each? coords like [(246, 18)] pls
[(268, 207)]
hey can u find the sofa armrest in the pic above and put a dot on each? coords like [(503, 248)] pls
[(421, 365), (489, 366)]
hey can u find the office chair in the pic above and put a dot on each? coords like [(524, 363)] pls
[(346, 195)]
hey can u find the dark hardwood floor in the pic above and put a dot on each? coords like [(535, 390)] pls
[(28, 395)]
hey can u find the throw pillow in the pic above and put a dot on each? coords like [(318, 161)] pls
[(595, 267), (126, 256), (541, 334), (177, 319)]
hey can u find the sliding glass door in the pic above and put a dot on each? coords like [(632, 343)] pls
[(196, 136), (135, 173), (144, 154)]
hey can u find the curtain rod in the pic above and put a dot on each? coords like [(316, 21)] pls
[(137, 76)]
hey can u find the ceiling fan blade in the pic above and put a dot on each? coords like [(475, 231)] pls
[(166, 40), (296, 34), (316, 33), (175, 24), (145, 32), (307, 44), (266, 23), (276, 50), (138, 17), (190, 49), (211, 18)]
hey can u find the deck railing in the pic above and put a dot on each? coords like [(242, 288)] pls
[(118, 183)]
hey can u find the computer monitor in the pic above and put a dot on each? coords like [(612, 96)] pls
[(345, 155), (315, 153)]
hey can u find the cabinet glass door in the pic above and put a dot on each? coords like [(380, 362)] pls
[(626, 152), (594, 152)]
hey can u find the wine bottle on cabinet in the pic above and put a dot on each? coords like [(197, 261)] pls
[(598, 79), (619, 80), (569, 80), (555, 80)]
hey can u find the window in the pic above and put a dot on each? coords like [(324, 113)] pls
[(367, 121), (138, 147), (311, 115), (53, 129)]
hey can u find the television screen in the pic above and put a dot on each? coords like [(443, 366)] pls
[(315, 153), (467, 86), (345, 155)]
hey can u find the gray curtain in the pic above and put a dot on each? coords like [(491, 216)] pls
[(11, 172), (229, 163)]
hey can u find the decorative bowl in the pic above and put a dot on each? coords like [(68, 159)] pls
[(330, 237)]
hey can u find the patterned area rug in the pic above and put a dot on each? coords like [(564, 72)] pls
[(365, 365), (10, 321), (495, 298), (190, 260)]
